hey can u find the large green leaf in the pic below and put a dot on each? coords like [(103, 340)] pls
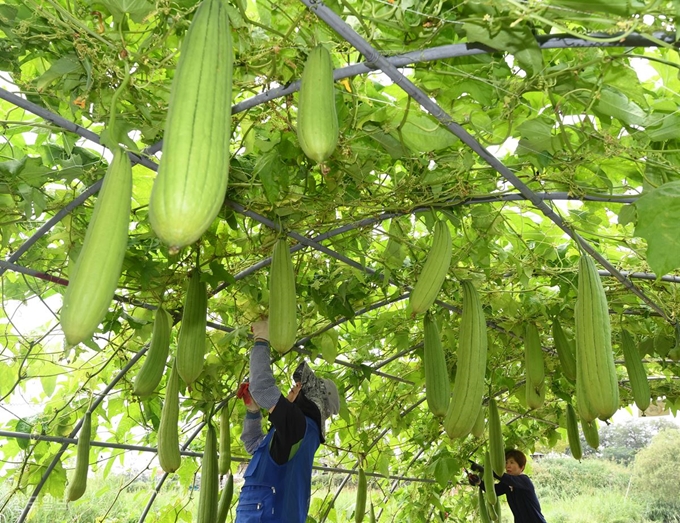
[(137, 9), (517, 40), (658, 215), (612, 102), (63, 66)]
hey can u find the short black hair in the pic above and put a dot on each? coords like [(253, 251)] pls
[(518, 456)]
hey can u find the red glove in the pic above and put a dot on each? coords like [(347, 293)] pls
[(244, 394)]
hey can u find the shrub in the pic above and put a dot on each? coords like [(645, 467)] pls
[(568, 478)]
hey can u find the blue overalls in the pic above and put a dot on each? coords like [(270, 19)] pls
[(275, 493)]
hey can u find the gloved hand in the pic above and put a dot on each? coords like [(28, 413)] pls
[(243, 393), (474, 480), (476, 467), (260, 330)]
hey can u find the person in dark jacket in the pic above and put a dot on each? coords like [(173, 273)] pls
[(516, 486), (278, 479)]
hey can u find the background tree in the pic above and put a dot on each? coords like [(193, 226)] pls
[(622, 442), (655, 475)]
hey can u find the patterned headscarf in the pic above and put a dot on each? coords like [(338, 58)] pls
[(321, 391)]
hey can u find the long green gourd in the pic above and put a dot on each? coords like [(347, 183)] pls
[(437, 386), (282, 299), (534, 368), (192, 335), (595, 360), (468, 387), (496, 443), (637, 375), (192, 177), (94, 278), (208, 495), (565, 350), (317, 128), (434, 270), (78, 483), (489, 479), (573, 434), (169, 455), (149, 376), (224, 465)]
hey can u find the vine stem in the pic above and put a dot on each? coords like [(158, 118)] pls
[(565, 29), (116, 94)]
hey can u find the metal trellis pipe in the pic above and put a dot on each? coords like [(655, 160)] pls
[(443, 52), (188, 453)]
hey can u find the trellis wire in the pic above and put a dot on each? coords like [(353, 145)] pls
[(188, 453), (373, 57)]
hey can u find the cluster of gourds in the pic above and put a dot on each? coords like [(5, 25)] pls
[(187, 196), (192, 179), (590, 365)]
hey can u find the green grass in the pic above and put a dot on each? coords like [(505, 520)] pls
[(569, 492), (600, 505), (109, 501)]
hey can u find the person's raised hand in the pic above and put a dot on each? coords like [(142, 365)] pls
[(476, 467), (243, 393), (260, 330), (474, 480), (293, 392)]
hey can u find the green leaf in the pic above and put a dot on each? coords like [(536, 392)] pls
[(328, 343), (443, 470), (612, 102), (65, 65), (421, 132), (662, 127), (658, 215), (627, 214), (218, 275), (12, 168), (26, 428), (518, 41), (268, 169), (137, 9), (536, 135), (49, 383)]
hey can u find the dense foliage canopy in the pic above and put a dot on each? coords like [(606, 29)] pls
[(566, 118)]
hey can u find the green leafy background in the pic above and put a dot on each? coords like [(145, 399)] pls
[(598, 128)]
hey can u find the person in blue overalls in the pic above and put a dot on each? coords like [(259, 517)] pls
[(278, 479)]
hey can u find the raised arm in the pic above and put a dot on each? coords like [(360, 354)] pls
[(263, 386)]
